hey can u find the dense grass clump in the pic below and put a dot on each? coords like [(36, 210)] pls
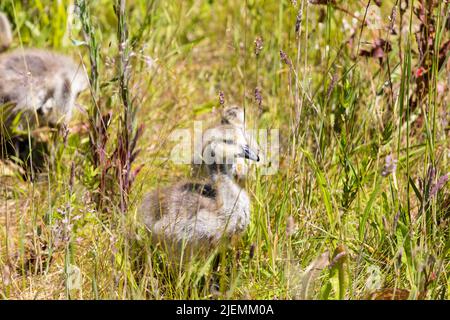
[(359, 206)]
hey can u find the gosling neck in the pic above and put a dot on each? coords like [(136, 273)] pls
[(220, 170)]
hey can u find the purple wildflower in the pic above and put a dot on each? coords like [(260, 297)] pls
[(285, 59), (221, 98), (390, 166), (258, 45), (439, 185), (258, 97), (298, 21)]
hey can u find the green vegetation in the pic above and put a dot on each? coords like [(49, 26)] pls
[(358, 208)]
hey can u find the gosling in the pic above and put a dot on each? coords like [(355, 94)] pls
[(196, 216), (235, 116), (5, 33), (39, 85)]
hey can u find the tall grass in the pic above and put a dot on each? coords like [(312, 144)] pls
[(359, 207)]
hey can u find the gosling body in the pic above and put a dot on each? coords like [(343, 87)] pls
[(197, 214)]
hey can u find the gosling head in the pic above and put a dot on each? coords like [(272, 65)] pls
[(61, 96), (223, 145), (5, 32), (235, 116)]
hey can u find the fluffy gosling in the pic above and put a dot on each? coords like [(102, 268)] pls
[(5, 33)]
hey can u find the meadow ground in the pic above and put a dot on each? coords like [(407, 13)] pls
[(358, 207)]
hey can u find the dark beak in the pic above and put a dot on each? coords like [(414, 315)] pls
[(249, 154)]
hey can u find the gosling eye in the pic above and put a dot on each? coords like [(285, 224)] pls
[(228, 141)]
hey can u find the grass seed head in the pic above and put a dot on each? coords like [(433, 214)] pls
[(390, 166), (285, 59), (258, 45)]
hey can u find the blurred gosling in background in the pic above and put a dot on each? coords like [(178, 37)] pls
[(40, 85)]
